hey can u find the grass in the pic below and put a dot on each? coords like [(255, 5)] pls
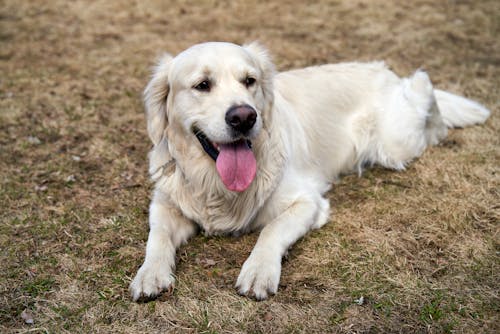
[(421, 246)]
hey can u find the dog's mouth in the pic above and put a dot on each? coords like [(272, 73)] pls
[(234, 161)]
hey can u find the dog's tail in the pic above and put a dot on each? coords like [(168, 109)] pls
[(457, 111)]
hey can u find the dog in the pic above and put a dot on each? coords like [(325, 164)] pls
[(238, 147)]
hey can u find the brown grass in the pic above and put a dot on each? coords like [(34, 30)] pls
[(421, 247)]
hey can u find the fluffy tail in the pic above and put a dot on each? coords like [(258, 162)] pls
[(458, 111)]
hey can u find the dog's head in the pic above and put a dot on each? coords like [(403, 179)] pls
[(219, 93)]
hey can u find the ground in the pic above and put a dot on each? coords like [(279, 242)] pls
[(413, 251)]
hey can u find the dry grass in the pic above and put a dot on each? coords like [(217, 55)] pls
[(421, 246)]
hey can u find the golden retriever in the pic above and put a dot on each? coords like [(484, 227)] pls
[(239, 147)]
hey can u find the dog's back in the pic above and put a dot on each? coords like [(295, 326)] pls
[(353, 114)]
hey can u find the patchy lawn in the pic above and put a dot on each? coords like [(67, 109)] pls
[(415, 251)]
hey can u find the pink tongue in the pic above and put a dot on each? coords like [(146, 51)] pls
[(236, 165)]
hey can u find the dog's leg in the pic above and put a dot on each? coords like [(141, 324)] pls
[(168, 230), (260, 273)]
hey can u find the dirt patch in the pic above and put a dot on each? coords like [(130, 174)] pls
[(412, 251)]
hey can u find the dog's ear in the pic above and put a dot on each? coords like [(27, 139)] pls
[(262, 56), (263, 59), (155, 99)]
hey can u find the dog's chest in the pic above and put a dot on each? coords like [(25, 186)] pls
[(217, 214), (215, 209)]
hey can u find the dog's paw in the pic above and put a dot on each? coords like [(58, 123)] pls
[(150, 281), (259, 276)]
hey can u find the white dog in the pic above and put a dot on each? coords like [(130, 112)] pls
[(239, 147)]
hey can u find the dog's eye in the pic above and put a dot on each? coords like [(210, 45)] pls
[(249, 81), (203, 86)]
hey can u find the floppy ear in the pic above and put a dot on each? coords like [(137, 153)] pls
[(263, 59), (155, 99)]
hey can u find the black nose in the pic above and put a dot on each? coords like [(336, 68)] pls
[(241, 118)]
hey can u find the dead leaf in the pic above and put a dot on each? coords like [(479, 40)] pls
[(206, 263), (27, 317), (71, 178), (34, 140), (360, 301), (41, 188)]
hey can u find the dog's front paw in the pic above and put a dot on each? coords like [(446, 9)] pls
[(259, 276), (151, 280)]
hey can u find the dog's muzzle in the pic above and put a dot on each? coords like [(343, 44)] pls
[(234, 161)]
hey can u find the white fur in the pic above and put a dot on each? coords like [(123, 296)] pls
[(313, 125)]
